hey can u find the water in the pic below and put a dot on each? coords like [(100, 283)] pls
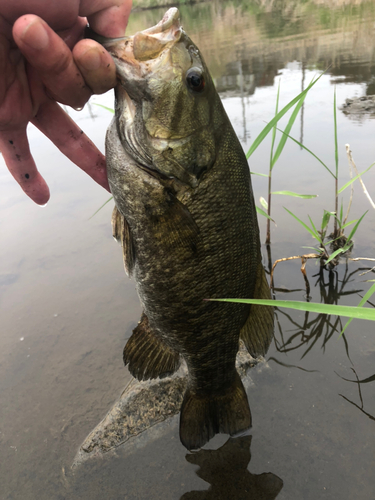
[(67, 308)]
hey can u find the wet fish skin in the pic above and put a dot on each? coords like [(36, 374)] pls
[(187, 222)]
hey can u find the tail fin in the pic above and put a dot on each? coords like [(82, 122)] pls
[(203, 416)]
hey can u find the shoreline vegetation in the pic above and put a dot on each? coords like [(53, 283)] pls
[(155, 4), (262, 5), (252, 43)]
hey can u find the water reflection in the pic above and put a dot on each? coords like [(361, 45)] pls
[(360, 407), (358, 382), (306, 334), (226, 471), (255, 40)]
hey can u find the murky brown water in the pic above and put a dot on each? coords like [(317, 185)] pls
[(66, 307)]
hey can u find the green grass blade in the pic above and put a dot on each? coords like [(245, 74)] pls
[(104, 204), (335, 128), (312, 225), (264, 203), (274, 128), (309, 151), (104, 107), (354, 179), (348, 245), (295, 195), (349, 223), (262, 212), (348, 311), (325, 219), (317, 250), (279, 115), (341, 213), (287, 130), (334, 254), (356, 226), (314, 235), (362, 302), (257, 173)]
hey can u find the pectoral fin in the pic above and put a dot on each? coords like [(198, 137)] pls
[(121, 233), (257, 332), (173, 223), (147, 356)]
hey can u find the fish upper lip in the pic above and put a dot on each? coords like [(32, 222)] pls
[(103, 40), (170, 17)]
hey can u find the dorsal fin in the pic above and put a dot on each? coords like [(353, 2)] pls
[(121, 233), (257, 332)]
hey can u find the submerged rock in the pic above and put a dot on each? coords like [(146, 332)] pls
[(358, 107), (143, 405)]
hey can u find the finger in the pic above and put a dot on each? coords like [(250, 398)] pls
[(96, 66), (52, 120), (15, 149), (74, 33), (53, 60), (111, 20)]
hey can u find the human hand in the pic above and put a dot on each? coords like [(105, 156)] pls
[(40, 67)]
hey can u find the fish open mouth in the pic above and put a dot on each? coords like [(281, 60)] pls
[(146, 44)]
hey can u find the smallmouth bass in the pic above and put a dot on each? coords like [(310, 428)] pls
[(186, 219)]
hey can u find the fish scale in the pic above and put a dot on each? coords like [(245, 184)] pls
[(185, 208)]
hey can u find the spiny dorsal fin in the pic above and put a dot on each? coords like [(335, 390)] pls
[(257, 332), (121, 233), (147, 356)]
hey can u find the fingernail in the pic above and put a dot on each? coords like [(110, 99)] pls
[(35, 35), (91, 59)]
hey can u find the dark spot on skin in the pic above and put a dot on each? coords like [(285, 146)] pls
[(10, 142), (81, 131), (108, 65), (27, 176), (18, 157)]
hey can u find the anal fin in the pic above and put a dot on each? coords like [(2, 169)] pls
[(257, 332), (121, 233), (147, 356)]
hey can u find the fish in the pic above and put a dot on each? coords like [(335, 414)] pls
[(145, 411), (186, 220)]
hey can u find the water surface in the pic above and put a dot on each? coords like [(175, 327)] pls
[(67, 307)]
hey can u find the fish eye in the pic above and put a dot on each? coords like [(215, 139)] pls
[(195, 79)]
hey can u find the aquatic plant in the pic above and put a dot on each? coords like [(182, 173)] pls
[(322, 252), (328, 252), (352, 312), (274, 156), (338, 244)]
